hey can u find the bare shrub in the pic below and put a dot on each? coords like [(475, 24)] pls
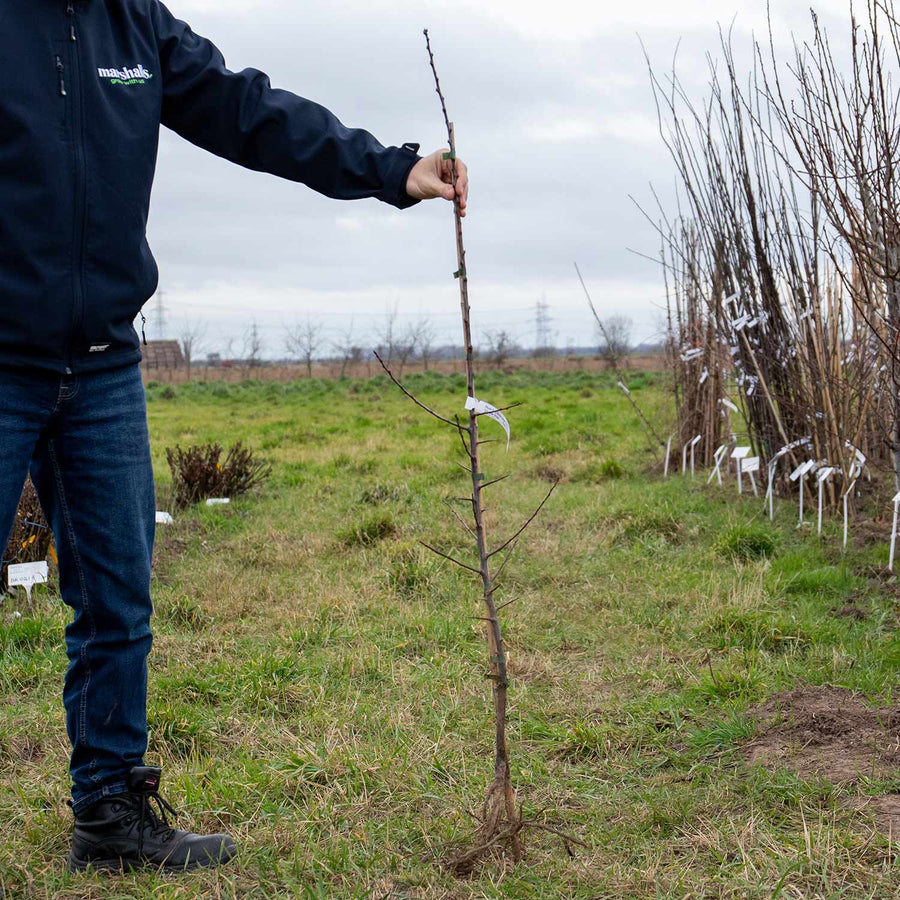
[(198, 474)]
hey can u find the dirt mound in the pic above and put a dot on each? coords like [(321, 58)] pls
[(828, 732)]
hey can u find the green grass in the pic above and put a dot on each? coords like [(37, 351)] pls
[(317, 681)]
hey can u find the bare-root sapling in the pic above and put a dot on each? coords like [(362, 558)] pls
[(500, 822)]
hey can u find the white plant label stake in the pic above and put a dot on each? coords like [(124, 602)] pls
[(822, 477), (770, 493), (738, 454), (218, 501), (694, 443), (847, 494), (668, 453), (770, 490), (894, 531), (482, 408), (27, 575), (799, 474), (718, 456), (164, 518), (773, 465), (751, 465)]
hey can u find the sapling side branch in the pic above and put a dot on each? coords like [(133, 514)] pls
[(508, 603), (418, 403), (511, 549), (461, 520), (500, 409), (461, 431), (452, 559), (530, 519)]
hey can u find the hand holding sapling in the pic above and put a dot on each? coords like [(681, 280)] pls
[(432, 176)]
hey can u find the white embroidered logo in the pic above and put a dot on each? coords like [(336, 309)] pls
[(99, 348)]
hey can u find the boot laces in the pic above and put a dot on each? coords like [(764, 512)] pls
[(146, 815)]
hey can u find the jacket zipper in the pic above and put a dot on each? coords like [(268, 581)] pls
[(61, 75), (80, 207)]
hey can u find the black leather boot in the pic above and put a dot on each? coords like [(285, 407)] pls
[(123, 832)]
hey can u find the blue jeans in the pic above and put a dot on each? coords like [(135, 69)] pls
[(85, 440)]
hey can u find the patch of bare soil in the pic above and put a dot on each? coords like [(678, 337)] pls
[(828, 732), (867, 532), (850, 611), (885, 811), (169, 548)]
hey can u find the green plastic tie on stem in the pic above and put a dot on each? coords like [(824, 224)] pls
[(451, 154), (459, 272)]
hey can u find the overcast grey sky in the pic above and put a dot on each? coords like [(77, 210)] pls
[(553, 115)]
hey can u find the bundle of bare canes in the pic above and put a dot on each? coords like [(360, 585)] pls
[(782, 268)]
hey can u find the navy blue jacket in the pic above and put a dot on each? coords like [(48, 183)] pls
[(84, 86)]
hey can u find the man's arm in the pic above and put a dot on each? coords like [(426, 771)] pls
[(241, 117)]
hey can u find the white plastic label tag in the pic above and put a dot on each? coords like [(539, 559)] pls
[(482, 408), (27, 575)]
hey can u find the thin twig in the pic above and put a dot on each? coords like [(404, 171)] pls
[(557, 831), (462, 565), (501, 408), (461, 520), (530, 519), (508, 603), (418, 403), (510, 550), (613, 362)]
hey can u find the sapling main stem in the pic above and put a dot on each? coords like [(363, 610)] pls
[(500, 806)]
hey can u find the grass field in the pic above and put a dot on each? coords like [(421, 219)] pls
[(317, 680)]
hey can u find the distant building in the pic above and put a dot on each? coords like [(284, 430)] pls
[(163, 355)]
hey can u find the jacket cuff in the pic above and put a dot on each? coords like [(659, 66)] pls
[(398, 169)]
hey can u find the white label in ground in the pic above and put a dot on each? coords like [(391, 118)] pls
[(803, 469), (27, 575), (896, 502)]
